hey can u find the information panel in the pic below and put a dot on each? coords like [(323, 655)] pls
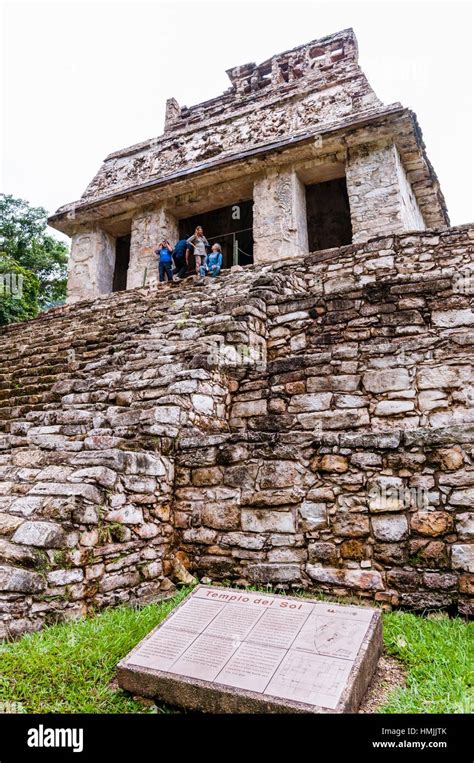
[(290, 648)]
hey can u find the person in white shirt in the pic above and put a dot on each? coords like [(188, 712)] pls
[(199, 243)]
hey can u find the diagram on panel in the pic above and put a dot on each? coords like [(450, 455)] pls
[(325, 635)]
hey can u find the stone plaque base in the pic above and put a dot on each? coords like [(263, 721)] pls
[(234, 651)]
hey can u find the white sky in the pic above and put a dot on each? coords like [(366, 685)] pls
[(82, 79)]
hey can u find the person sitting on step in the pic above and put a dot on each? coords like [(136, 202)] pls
[(213, 264)]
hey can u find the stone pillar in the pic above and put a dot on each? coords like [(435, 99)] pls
[(279, 217), (380, 196), (411, 216), (149, 227), (172, 113), (91, 264)]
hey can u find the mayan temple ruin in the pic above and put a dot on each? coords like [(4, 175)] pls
[(305, 420)]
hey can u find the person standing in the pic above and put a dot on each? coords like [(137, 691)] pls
[(199, 242), (165, 260), (181, 258)]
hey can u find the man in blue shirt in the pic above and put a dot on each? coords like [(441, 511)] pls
[(165, 261), (181, 258)]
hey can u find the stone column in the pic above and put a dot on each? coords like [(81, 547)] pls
[(149, 227), (380, 196), (279, 217), (91, 264)]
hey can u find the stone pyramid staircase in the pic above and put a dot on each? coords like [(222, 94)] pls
[(305, 423)]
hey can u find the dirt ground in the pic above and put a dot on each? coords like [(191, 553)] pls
[(389, 675)]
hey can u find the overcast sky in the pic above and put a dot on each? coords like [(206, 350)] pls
[(82, 79)]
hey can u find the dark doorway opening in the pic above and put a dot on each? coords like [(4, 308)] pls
[(328, 215), (122, 259), (231, 227)]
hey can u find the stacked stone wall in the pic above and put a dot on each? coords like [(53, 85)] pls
[(308, 423)]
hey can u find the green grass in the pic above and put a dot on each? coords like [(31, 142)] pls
[(68, 668), (438, 653)]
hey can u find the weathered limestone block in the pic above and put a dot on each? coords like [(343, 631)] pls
[(440, 580), (431, 522), (449, 458), (100, 474), (65, 577), (285, 555), (273, 498), (386, 494), (42, 534), (462, 497), (465, 525), (200, 535), (18, 580), (380, 196), (393, 407), (249, 408), (274, 474), (434, 377), (221, 516), (18, 554), (279, 217), (431, 400), (428, 553), (353, 549), (89, 492), (452, 318), (263, 520), (9, 523), (460, 478), (274, 573), (311, 402), (120, 580), (351, 525), (462, 557), (366, 580), (386, 380), (149, 227), (466, 584), (242, 540), (26, 505), (127, 515), (333, 463), (390, 528), (321, 551), (91, 264), (313, 516)]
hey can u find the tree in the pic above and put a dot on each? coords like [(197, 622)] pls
[(19, 290), (23, 239)]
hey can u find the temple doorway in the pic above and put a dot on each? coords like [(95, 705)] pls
[(231, 227), (328, 215), (122, 259)]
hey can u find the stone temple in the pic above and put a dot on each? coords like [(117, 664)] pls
[(305, 420)]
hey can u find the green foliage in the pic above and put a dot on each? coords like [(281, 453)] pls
[(24, 239), (19, 289)]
